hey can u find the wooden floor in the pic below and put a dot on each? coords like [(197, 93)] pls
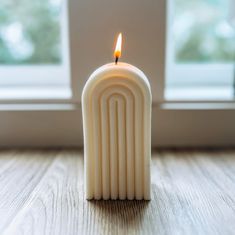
[(41, 192)]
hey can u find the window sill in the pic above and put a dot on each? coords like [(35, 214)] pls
[(71, 106), (17, 94), (38, 107), (205, 94), (52, 98)]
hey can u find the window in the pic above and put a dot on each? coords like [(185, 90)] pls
[(33, 49), (55, 119), (201, 49)]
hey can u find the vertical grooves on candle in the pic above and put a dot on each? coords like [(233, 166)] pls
[(110, 170), (143, 150), (132, 196), (134, 150), (129, 102), (95, 152), (89, 173), (114, 153), (100, 148), (108, 140), (117, 148), (125, 120)]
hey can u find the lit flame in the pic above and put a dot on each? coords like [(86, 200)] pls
[(118, 48)]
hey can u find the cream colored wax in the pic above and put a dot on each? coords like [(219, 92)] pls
[(116, 105)]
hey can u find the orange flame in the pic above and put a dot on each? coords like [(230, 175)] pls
[(118, 48)]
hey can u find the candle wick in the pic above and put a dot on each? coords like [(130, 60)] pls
[(116, 59)]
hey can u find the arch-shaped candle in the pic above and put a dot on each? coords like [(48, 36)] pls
[(116, 105)]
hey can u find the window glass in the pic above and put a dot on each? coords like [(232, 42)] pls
[(203, 31), (201, 50), (30, 32)]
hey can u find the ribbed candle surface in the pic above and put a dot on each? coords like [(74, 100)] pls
[(116, 106)]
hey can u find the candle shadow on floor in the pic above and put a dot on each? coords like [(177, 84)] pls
[(121, 213)]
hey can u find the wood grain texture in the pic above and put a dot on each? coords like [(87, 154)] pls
[(41, 192)]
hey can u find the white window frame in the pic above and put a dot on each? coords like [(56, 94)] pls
[(92, 30), (218, 74), (36, 81), (217, 79)]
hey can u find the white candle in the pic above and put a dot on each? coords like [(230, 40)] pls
[(116, 106)]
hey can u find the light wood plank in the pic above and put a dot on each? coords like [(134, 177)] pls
[(19, 174), (193, 193), (54, 206)]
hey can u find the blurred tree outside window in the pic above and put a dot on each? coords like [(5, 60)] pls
[(202, 33), (30, 32)]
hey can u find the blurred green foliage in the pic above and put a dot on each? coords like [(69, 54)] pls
[(202, 32), (30, 32)]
